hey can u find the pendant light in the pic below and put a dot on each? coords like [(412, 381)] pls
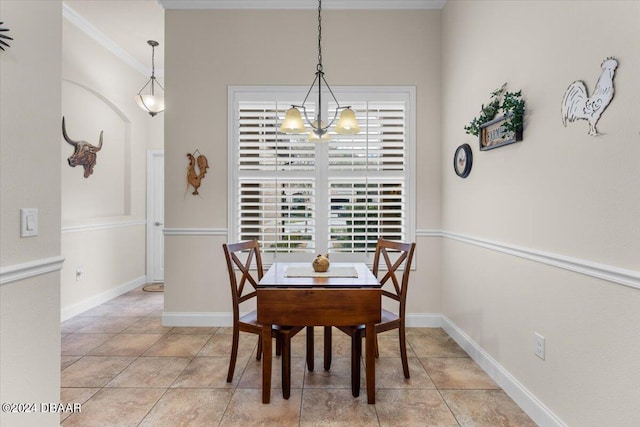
[(151, 102), (293, 123)]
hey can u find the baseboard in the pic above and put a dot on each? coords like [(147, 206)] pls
[(421, 320), (94, 301), (212, 319), (533, 407), (208, 319)]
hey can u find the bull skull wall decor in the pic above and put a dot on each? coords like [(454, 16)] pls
[(84, 153)]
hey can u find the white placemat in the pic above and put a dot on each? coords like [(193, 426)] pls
[(308, 271)]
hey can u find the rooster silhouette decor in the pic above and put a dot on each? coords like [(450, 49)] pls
[(195, 177), (578, 105)]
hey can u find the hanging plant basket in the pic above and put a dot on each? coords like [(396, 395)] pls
[(494, 132)]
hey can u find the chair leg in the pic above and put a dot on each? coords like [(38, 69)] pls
[(259, 351), (403, 351), (327, 348), (278, 345), (356, 355), (376, 346), (234, 354), (310, 349)]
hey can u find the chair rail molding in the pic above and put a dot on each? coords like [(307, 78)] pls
[(620, 276), (195, 232), (16, 272), (102, 226)]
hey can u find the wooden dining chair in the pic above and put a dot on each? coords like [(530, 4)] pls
[(386, 250), (244, 290)]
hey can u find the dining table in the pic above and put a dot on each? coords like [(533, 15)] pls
[(293, 294)]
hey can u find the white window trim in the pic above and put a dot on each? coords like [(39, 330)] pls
[(236, 94)]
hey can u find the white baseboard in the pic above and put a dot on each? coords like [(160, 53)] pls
[(212, 319), (94, 301), (208, 319), (533, 407), (422, 320)]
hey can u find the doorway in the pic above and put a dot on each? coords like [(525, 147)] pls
[(155, 216)]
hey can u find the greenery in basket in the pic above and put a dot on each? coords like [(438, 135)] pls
[(511, 103)]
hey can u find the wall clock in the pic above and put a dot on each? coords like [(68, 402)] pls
[(462, 160)]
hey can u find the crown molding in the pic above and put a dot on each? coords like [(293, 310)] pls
[(303, 4), (103, 40)]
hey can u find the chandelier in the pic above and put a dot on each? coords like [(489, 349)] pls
[(293, 123), (151, 102)]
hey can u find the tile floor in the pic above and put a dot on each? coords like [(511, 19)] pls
[(128, 370)]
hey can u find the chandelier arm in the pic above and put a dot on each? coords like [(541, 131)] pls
[(310, 89), (143, 87)]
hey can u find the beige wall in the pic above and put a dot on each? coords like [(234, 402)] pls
[(207, 51), (559, 191), (103, 230), (30, 177)]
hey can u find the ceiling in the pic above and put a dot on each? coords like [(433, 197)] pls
[(125, 24)]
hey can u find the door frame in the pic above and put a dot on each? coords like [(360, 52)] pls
[(151, 156)]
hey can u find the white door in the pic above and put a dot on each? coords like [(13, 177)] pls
[(155, 216)]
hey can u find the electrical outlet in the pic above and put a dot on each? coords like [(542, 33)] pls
[(79, 274), (538, 349)]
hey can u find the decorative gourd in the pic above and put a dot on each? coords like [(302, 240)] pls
[(321, 263)]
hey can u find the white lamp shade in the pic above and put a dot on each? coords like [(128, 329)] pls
[(314, 137), (347, 124), (152, 104), (292, 122)]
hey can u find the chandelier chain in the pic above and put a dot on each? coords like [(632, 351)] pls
[(319, 67)]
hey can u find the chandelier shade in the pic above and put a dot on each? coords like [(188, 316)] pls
[(153, 101), (315, 135), (293, 122), (347, 124)]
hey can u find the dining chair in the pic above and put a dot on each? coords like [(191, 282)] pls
[(241, 292), (397, 257)]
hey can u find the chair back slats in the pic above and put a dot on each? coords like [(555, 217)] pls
[(383, 249), (235, 265)]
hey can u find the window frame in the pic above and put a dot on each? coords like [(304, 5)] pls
[(238, 94)]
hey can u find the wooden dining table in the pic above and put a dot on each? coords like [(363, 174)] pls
[(292, 294)]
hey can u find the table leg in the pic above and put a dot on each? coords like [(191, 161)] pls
[(310, 348), (266, 363), (327, 348), (370, 337), (356, 356)]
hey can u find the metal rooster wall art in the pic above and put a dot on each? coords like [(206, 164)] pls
[(578, 105), (194, 177)]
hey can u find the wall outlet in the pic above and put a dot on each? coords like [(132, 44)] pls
[(538, 349), (79, 274)]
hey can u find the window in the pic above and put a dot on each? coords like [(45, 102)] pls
[(300, 198)]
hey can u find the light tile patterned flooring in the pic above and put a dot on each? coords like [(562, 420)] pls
[(128, 370)]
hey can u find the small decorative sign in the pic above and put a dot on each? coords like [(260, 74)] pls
[(493, 134)]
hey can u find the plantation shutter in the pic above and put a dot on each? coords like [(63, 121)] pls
[(367, 180), (276, 182), (301, 198)]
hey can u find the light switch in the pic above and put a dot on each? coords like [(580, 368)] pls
[(28, 222)]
